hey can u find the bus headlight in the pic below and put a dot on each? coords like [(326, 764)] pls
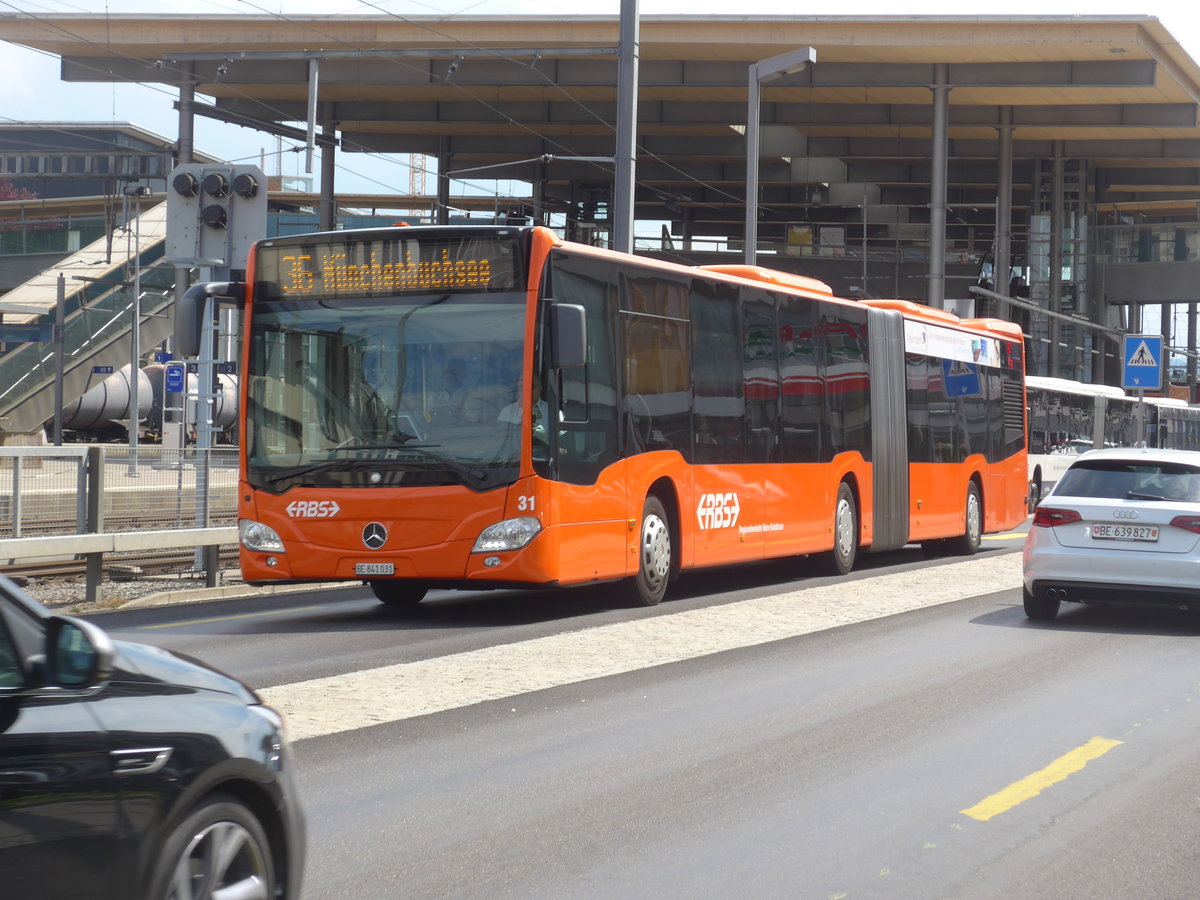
[(259, 537), (511, 534)]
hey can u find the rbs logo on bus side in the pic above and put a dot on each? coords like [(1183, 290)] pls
[(312, 509), (718, 510)]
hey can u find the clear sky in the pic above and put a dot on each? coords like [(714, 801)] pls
[(33, 91)]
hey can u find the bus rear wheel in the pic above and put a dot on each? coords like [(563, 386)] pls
[(840, 560), (399, 593), (968, 543), (654, 554)]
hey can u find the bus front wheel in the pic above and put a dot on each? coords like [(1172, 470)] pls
[(399, 593), (654, 554)]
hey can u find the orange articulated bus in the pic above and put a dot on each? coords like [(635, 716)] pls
[(485, 407)]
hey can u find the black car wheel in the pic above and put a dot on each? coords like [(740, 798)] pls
[(218, 850)]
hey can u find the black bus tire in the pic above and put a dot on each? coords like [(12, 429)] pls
[(399, 594), (968, 543), (654, 554), (840, 560)]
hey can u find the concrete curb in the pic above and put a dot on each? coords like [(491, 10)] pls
[(236, 590), (229, 592)]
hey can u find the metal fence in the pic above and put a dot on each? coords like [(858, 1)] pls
[(45, 490), (97, 503)]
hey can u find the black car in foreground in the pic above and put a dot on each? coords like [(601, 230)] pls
[(130, 772)]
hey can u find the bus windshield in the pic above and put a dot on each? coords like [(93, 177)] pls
[(402, 390)]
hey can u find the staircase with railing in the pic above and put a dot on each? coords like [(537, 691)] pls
[(98, 284)]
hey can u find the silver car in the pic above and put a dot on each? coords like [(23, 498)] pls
[(1120, 526)]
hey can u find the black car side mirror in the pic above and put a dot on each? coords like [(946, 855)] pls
[(78, 654)]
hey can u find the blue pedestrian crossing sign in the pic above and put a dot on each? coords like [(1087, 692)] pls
[(1143, 357)]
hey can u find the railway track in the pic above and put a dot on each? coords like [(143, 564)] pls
[(149, 521), (117, 567)]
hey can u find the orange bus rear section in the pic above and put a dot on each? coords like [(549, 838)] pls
[(720, 513)]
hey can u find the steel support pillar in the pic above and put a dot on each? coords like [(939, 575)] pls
[(185, 153), (937, 187), (539, 194), (442, 213), (328, 214), (1002, 257), (1057, 186), (1191, 358), (627, 87)]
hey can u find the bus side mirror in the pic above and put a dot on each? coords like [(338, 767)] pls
[(568, 335)]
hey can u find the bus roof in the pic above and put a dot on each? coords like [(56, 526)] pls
[(772, 276)]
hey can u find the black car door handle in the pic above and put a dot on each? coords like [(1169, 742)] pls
[(140, 761)]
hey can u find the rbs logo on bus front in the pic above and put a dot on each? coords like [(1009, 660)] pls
[(312, 509), (718, 510)]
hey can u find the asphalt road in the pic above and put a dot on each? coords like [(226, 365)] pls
[(904, 732)]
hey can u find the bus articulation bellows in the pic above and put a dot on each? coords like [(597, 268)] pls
[(484, 407)]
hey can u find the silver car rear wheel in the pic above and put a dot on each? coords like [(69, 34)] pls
[(1041, 608)]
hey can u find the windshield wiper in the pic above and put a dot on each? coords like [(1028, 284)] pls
[(1138, 495), (312, 468), (402, 444), (454, 465)]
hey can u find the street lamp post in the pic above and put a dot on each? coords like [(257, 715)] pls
[(761, 72)]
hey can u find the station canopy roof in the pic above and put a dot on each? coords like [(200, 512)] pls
[(536, 92)]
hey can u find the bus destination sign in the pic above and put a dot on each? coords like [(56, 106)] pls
[(376, 266)]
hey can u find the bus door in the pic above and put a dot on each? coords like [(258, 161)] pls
[(575, 433)]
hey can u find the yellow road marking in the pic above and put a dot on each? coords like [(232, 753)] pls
[(1032, 785), (253, 615)]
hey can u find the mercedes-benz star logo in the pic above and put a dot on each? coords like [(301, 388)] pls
[(374, 536)]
